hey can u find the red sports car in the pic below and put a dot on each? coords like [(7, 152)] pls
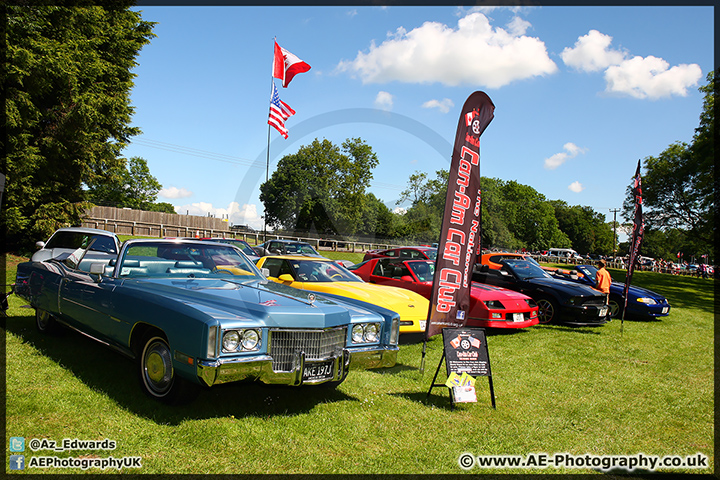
[(407, 253), (490, 306)]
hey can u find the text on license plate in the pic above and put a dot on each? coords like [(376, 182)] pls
[(318, 371), (518, 317), (603, 311)]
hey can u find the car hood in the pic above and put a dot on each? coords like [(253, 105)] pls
[(397, 299), (564, 286), (635, 291), (271, 304)]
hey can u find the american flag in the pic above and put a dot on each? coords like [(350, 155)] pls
[(279, 112)]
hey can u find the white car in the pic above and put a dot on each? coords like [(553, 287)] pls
[(67, 240)]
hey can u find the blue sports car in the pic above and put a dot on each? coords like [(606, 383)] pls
[(199, 313), (642, 303)]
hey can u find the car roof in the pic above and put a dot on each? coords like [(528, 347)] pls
[(134, 241), (86, 230), (285, 240), (300, 257)]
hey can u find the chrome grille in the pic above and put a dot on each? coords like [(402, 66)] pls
[(285, 345)]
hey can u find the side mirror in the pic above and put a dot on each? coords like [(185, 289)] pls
[(265, 271), (97, 268), (39, 245), (286, 278)]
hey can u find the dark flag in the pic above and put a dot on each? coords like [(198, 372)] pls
[(637, 235), (460, 233)]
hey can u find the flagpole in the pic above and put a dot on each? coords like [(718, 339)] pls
[(267, 159)]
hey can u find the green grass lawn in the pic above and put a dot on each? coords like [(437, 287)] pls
[(602, 391)]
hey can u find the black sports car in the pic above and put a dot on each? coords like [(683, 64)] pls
[(642, 303), (559, 301)]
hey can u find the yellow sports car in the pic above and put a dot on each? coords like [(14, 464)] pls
[(325, 276)]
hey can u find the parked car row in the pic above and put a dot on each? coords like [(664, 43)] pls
[(199, 312)]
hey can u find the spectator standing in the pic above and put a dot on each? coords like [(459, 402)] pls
[(603, 280)]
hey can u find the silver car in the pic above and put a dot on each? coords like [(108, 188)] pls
[(67, 240)]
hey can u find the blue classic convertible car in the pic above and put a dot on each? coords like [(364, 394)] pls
[(200, 313), (642, 303)]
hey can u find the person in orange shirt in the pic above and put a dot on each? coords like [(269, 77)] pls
[(603, 280)]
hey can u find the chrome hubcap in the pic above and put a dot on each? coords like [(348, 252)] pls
[(158, 367)]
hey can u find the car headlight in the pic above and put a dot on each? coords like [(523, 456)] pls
[(231, 340), (250, 339), (366, 332), (371, 332), (241, 340), (357, 333), (495, 304), (647, 300)]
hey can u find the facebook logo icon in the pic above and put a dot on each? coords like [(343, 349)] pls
[(17, 462)]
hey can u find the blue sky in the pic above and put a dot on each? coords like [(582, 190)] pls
[(580, 93)]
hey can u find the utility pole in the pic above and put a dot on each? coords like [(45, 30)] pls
[(614, 212)]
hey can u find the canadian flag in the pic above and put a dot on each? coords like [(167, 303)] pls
[(286, 65)]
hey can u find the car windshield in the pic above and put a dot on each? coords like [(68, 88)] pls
[(300, 249), (241, 244), (524, 269), (320, 271), (74, 240), (160, 259), (424, 271), (588, 270), (431, 253)]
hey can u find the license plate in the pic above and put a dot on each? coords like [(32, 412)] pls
[(318, 371), (422, 324), (603, 311), (518, 317), (665, 310)]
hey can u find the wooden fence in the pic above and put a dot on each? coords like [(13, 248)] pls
[(159, 224)]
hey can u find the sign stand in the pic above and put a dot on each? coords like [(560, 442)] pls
[(465, 353)]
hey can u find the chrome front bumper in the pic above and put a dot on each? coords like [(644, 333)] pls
[(259, 368)]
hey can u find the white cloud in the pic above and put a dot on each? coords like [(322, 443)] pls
[(651, 77), (571, 151), (400, 211), (518, 26), (576, 187), (384, 101), (174, 192), (238, 215), (443, 105), (592, 53), (640, 77), (474, 54)]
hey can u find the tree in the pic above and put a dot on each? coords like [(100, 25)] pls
[(129, 186), (587, 230), (320, 187), (67, 84), (678, 185)]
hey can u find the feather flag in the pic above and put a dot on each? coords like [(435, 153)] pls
[(460, 232), (637, 235), (279, 112), (286, 65)]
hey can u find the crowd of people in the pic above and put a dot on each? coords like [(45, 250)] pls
[(679, 268)]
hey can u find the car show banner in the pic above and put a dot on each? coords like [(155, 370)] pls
[(460, 232), (637, 236)]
